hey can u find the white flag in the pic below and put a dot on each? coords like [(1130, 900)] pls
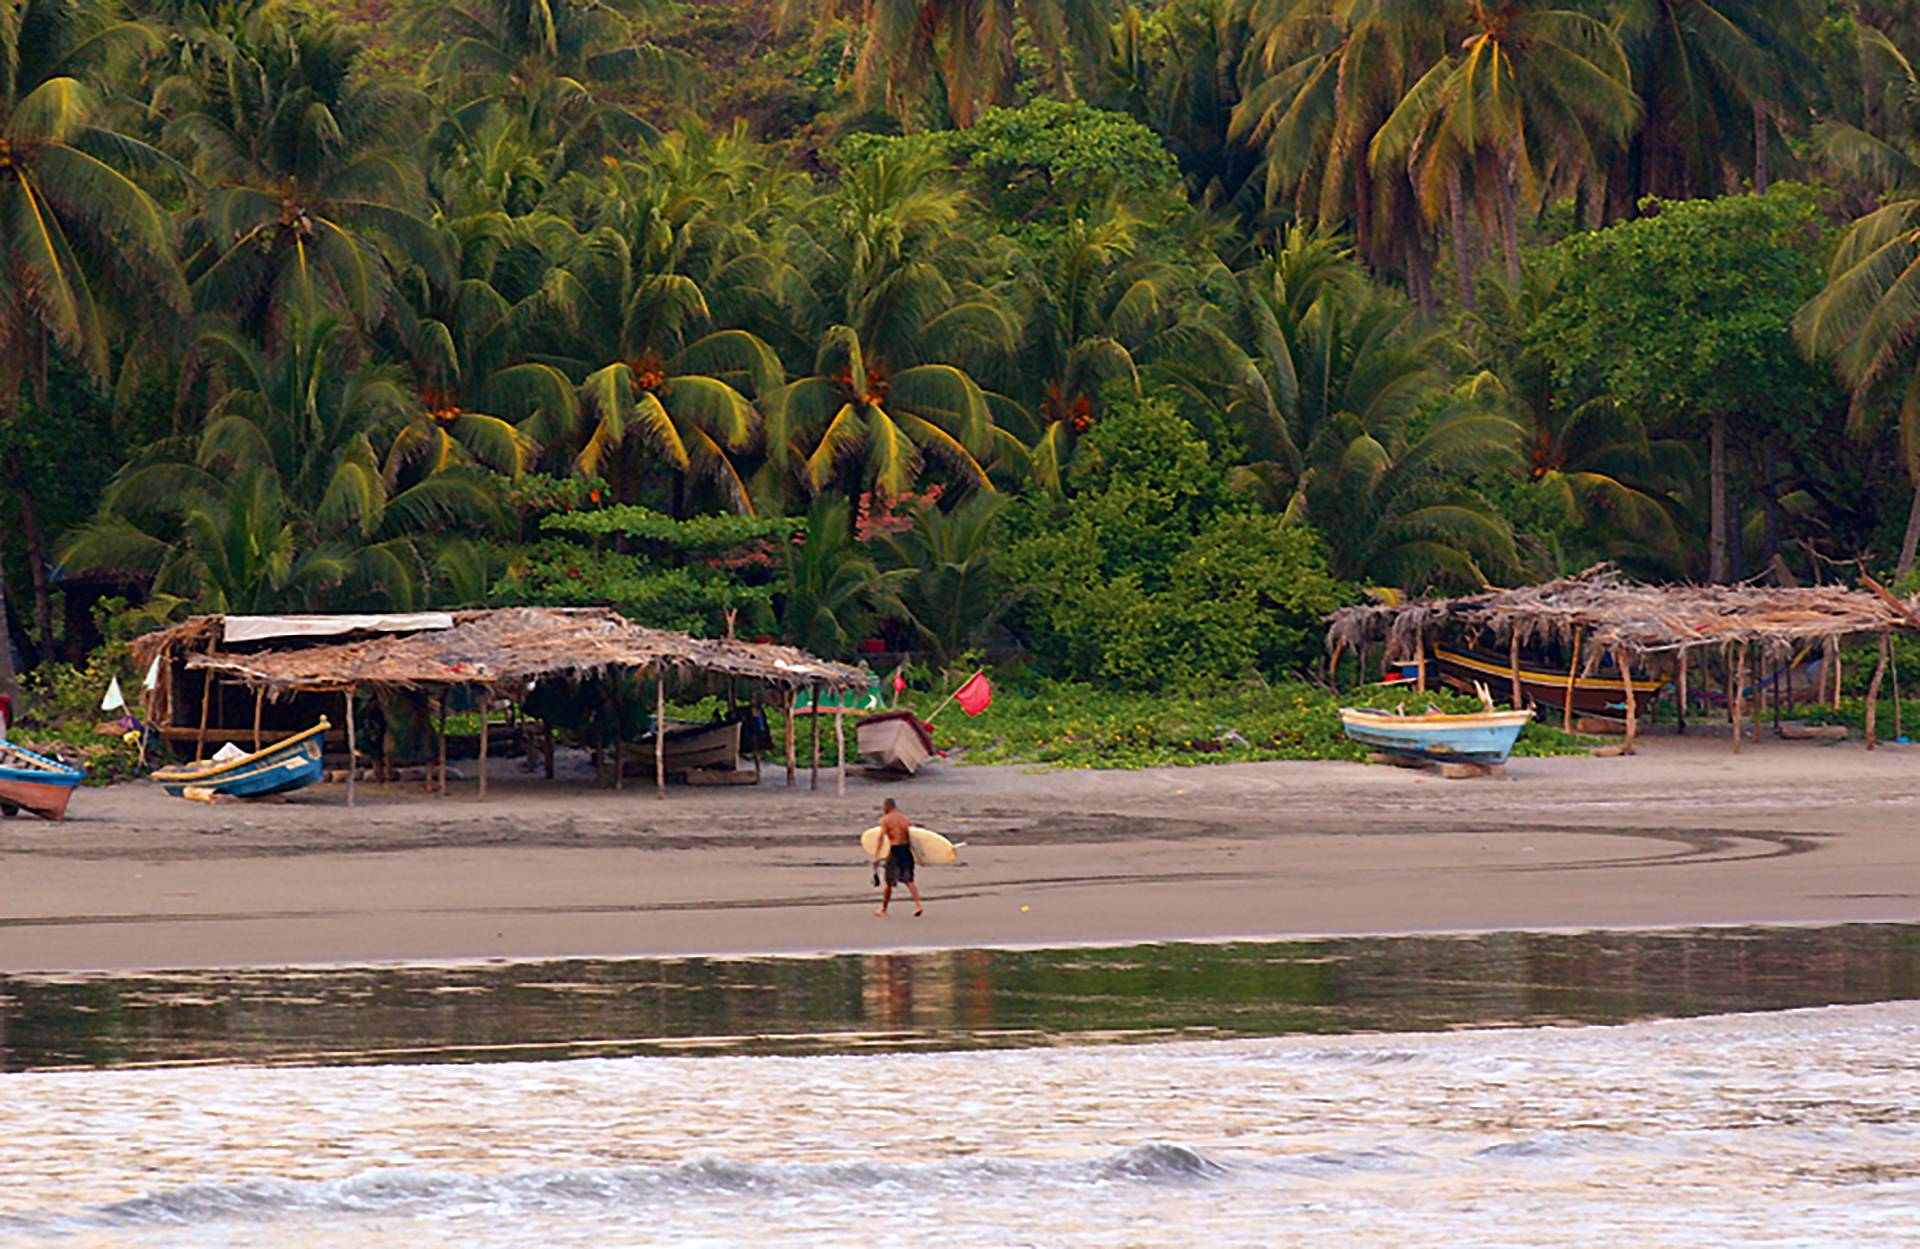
[(115, 700), (153, 675)]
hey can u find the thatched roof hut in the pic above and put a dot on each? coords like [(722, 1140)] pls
[(1599, 613)]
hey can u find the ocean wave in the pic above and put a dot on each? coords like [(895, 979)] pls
[(407, 1192)]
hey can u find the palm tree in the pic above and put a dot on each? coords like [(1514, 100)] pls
[(539, 61), (1867, 317), (312, 190), (80, 236), (1516, 113), (969, 46), (948, 585), (1093, 302), (911, 312), (830, 592), (292, 496)]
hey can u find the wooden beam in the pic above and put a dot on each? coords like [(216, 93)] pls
[(1626, 683), (1420, 661), (660, 732), (443, 743), (1737, 697), (1873, 693), (1836, 674), (1681, 722), (1333, 667), (259, 703), (813, 781), (486, 707), (353, 748), (1573, 667), (1513, 667), (792, 766), (840, 748), (206, 704)]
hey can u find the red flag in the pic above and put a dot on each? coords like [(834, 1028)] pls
[(899, 682), (975, 695)]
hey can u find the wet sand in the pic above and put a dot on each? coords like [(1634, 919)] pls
[(1684, 834)]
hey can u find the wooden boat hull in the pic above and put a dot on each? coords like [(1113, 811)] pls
[(1478, 737), (31, 782), (1594, 695), (895, 741), (689, 747), (280, 768)]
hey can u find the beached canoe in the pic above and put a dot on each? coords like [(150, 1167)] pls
[(1475, 737), (895, 741), (689, 746), (1597, 693), (288, 764), (30, 782)]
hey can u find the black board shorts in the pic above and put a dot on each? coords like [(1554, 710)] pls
[(899, 865)]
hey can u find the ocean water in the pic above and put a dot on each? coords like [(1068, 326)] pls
[(1721, 1087), (1789, 1128)]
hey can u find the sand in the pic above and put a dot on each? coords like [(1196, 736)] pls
[(1685, 833)]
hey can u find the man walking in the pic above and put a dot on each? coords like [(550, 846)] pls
[(896, 842)]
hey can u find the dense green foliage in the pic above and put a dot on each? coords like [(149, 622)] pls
[(1130, 337)]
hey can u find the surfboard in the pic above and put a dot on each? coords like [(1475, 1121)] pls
[(930, 849)]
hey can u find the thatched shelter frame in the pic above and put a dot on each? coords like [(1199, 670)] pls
[(492, 650), (1601, 612)]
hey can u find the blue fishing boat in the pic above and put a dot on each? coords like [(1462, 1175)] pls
[(289, 763), (30, 782), (1475, 737)]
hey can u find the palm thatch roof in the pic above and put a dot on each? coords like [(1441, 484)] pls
[(1613, 613), (500, 647)]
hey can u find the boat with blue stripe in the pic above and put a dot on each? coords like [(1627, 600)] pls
[(290, 763), (32, 782), (1483, 737)]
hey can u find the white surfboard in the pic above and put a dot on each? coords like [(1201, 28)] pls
[(930, 849)]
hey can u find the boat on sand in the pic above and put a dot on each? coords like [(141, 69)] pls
[(1483, 737), (290, 763), (31, 782), (689, 747), (894, 741)]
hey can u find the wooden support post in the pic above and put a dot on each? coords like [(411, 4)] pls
[(1513, 669), (1737, 698), (259, 704), (1573, 669), (1873, 694), (1777, 677), (1899, 719), (1681, 723), (1333, 667), (443, 743), (1420, 662), (792, 779), (353, 749), (546, 745), (1633, 711), (619, 757), (486, 707), (660, 732), (813, 781), (206, 704), (840, 749), (1836, 674)]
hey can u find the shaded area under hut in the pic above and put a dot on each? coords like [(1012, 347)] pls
[(1631, 640), (284, 672)]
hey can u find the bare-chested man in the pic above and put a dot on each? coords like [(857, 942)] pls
[(896, 842)]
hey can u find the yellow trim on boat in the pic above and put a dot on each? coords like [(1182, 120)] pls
[(200, 772), (1436, 719), (1556, 679)]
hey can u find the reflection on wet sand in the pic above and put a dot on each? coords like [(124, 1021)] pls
[(952, 999)]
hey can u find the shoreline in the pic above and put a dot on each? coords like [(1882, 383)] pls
[(1684, 835)]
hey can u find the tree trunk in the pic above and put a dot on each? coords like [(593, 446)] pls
[(36, 543), (1761, 173), (1510, 221), (1463, 249), (9, 679), (1717, 518), (1362, 209), (1910, 544)]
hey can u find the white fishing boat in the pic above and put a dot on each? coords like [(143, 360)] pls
[(894, 741)]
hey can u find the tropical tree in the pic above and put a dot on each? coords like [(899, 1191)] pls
[(909, 312), (1092, 302), (296, 493), (969, 46), (830, 591), (949, 583), (83, 241), (312, 194), (1868, 315), (1517, 116)]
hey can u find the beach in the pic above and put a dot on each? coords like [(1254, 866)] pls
[(1686, 833)]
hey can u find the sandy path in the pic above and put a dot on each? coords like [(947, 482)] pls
[(1686, 833)]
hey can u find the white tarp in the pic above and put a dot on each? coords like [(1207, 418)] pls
[(261, 628)]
